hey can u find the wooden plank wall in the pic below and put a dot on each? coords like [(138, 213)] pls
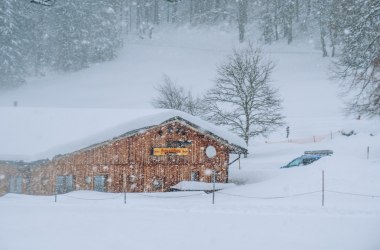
[(129, 165)]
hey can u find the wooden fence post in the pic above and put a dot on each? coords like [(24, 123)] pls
[(367, 152), (213, 186), (125, 187), (323, 188)]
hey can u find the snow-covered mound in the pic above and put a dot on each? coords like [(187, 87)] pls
[(352, 168), (200, 186)]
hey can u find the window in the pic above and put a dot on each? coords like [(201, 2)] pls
[(64, 184), (28, 185), (15, 184), (44, 180), (194, 176), (307, 161), (178, 144), (157, 184), (132, 178), (210, 151), (100, 183), (88, 179), (170, 130), (295, 162)]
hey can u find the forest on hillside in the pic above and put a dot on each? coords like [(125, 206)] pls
[(69, 35)]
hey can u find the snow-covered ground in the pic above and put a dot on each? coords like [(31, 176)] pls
[(270, 208)]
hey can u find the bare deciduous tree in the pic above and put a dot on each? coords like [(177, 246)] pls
[(172, 96), (242, 98)]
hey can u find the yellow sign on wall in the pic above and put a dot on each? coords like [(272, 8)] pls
[(172, 151)]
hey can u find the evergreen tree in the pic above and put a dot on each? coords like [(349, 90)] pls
[(36, 30), (267, 19), (70, 37), (321, 13), (287, 14), (12, 44), (85, 32), (359, 61), (105, 36)]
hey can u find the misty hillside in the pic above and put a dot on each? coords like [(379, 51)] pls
[(43, 38)]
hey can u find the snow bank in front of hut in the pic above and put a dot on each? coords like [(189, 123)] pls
[(200, 186), (38, 133)]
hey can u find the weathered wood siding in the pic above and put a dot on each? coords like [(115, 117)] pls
[(128, 165), (14, 177)]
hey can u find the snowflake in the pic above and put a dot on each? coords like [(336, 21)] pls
[(208, 172)]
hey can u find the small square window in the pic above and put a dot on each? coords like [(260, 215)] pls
[(157, 184), (194, 176), (170, 130)]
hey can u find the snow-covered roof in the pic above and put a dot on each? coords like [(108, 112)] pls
[(31, 134)]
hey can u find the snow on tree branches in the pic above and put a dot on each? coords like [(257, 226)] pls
[(242, 98), (358, 66), (172, 96)]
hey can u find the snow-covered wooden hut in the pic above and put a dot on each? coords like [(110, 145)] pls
[(113, 150)]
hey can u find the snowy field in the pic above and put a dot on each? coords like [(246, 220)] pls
[(275, 208), (270, 208)]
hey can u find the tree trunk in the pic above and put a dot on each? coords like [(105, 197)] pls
[(241, 32), (333, 38), (156, 13), (290, 30), (174, 13), (130, 15), (191, 11), (138, 16), (168, 12), (323, 42), (308, 8), (276, 20), (242, 18)]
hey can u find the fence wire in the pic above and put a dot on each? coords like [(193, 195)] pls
[(168, 197), (353, 194), (270, 197), (228, 194), (306, 140), (92, 199)]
